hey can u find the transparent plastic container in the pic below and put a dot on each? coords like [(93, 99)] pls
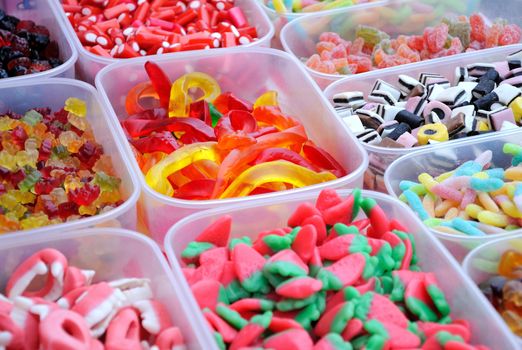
[(22, 96), (382, 157), (41, 12), (281, 19), (113, 254), (90, 64), (482, 263), (436, 161), (248, 74), (394, 17), (465, 299)]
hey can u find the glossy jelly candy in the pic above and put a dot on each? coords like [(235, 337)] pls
[(335, 282), (372, 48), (52, 168), (214, 144), (71, 312)]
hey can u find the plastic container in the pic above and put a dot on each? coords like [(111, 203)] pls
[(113, 254), (397, 17), (41, 12), (482, 263), (247, 74), (382, 157), (90, 64), (281, 19), (432, 256), (52, 93), (446, 158)]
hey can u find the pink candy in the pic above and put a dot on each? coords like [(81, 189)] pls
[(70, 313)]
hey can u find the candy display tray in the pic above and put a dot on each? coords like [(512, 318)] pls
[(24, 95), (41, 13), (482, 263), (248, 74), (464, 297), (129, 254), (300, 36), (436, 161), (89, 64), (381, 157)]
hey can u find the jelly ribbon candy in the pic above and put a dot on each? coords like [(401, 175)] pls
[(179, 92)]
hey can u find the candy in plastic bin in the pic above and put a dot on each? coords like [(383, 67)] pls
[(337, 281)]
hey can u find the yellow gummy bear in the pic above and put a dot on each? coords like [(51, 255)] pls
[(7, 160), (269, 98), (179, 92), (76, 106), (34, 221), (7, 123)]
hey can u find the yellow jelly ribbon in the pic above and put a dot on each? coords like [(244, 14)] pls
[(276, 171), (156, 177), (179, 92)]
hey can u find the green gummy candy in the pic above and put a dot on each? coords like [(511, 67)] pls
[(32, 117), (320, 302), (235, 291), (398, 289), (386, 284), (342, 229), (274, 279), (59, 152), (235, 241), (370, 35), (262, 320), (309, 314), (357, 196), (342, 317), (375, 327), (421, 310), (284, 268), (31, 178), (338, 342), (329, 280), (459, 29), (360, 342), (386, 261), (370, 266), (215, 115), (106, 182), (376, 342), (293, 233), (443, 337), (277, 243), (232, 317), (362, 306), (439, 300), (360, 245), (351, 293), (256, 283), (219, 340), (295, 304), (194, 249)]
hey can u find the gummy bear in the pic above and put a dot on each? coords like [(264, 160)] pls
[(510, 264)]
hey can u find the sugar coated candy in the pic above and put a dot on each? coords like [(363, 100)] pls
[(340, 275)]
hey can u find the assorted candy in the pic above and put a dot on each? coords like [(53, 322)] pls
[(52, 170), (217, 145), (25, 47), (327, 280), (474, 199), (504, 290), (375, 49), (300, 6), (69, 311), (125, 29)]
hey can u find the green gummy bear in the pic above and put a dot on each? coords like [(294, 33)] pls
[(106, 182), (32, 117)]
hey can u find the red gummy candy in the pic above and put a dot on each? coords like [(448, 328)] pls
[(435, 37), (478, 27)]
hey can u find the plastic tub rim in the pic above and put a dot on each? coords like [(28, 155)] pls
[(199, 204), (439, 234), (175, 230), (62, 19), (53, 72), (99, 218)]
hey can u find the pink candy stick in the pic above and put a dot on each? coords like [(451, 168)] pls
[(457, 182), (123, 332), (468, 198), (484, 158), (65, 330), (155, 317), (47, 261), (447, 193)]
